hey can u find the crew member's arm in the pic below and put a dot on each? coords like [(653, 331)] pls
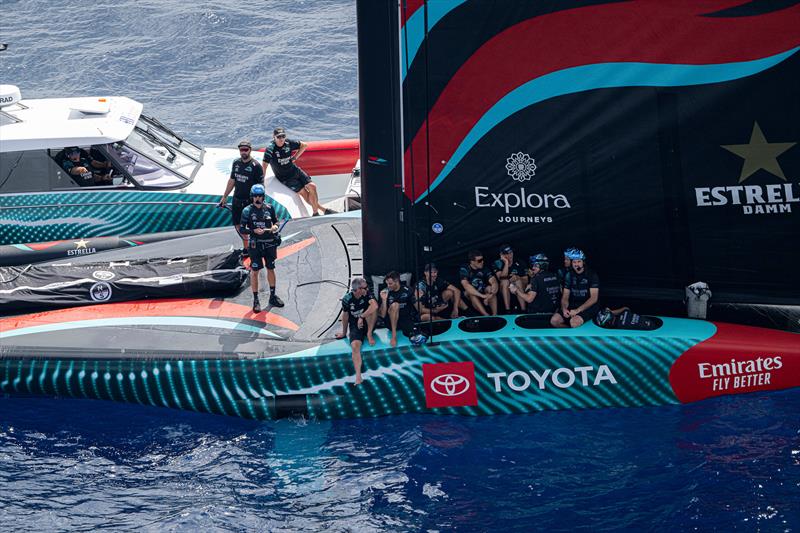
[(421, 309), (228, 188), (493, 286), (468, 288), (371, 310), (274, 217), (594, 295), (565, 301), (384, 302), (345, 323), (529, 297), (300, 150), (268, 154), (244, 227)]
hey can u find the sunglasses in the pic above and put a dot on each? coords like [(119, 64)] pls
[(258, 197), (244, 149), (281, 136), (479, 260)]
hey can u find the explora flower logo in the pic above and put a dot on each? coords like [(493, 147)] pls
[(521, 167)]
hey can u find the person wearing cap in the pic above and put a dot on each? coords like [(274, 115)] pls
[(359, 313), (479, 284), (436, 296), (83, 168), (543, 293), (278, 155), (580, 295), (260, 222), (245, 172), (509, 272)]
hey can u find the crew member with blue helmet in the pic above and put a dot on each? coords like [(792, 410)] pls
[(479, 284), (543, 293), (245, 173), (580, 295), (561, 273), (260, 222), (509, 273)]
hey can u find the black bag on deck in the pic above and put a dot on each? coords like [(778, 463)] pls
[(43, 286)]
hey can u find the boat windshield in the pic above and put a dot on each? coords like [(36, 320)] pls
[(163, 147)]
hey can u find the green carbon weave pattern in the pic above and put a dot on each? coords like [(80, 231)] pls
[(393, 378), (73, 215)]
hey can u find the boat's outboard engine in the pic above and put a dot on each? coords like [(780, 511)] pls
[(697, 296)]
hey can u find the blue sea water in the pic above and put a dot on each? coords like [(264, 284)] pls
[(218, 71)]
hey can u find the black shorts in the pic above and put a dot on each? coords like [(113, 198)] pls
[(405, 323), (587, 314), (296, 181), (262, 254), (237, 207), (355, 333)]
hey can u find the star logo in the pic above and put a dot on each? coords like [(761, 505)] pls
[(759, 154), (81, 244)]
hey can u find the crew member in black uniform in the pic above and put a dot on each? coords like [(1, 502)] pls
[(87, 169), (479, 284), (543, 293), (435, 296), (565, 267), (359, 313), (509, 272), (580, 295), (278, 154), (245, 172), (260, 222), (398, 302)]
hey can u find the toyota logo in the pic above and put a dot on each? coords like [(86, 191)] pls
[(449, 385)]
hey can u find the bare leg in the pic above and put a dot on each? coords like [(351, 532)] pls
[(493, 304), (271, 277), (314, 196), (504, 283), (254, 280), (477, 304), (394, 315), (356, 345), (520, 290), (557, 321), (370, 326), (575, 321)]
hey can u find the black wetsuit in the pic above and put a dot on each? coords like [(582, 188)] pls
[(548, 293), (280, 159), (265, 246), (405, 299), (355, 307), (244, 176), (561, 273), (431, 295), (479, 278), (578, 286)]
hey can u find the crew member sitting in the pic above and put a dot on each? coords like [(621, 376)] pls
[(479, 284), (359, 313), (509, 273), (397, 301), (580, 295), (435, 296), (82, 168), (543, 293)]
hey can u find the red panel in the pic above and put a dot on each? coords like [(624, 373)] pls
[(449, 384), (736, 360), (329, 157)]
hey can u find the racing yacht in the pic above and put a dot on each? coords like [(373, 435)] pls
[(160, 182)]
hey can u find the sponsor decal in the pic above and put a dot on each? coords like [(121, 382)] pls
[(521, 205), (437, 228), (100, 291), (81, 248), (770, 199), (449, 384), (741, 373), (103, 275), (562, 378)]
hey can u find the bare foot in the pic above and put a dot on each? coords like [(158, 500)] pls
[(371, 340), (339, 335), (454, 315), (358, 381), (393, 342)]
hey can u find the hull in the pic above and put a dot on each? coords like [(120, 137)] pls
[(510, 371)]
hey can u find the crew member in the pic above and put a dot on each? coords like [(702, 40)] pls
[(359, 313), (85, 169), (435, 296), (245, 172), (479, 284), (260, 222), (580, 295), (397, 301), (565, 267), (543, 293), (508, 273), (278, 154)]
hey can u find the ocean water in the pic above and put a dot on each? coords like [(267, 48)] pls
[(218, 71)]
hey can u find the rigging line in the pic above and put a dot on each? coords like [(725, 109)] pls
[(428, 156)]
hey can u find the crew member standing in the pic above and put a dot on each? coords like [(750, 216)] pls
[(245, 173), (260, 222), (278, 154)]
